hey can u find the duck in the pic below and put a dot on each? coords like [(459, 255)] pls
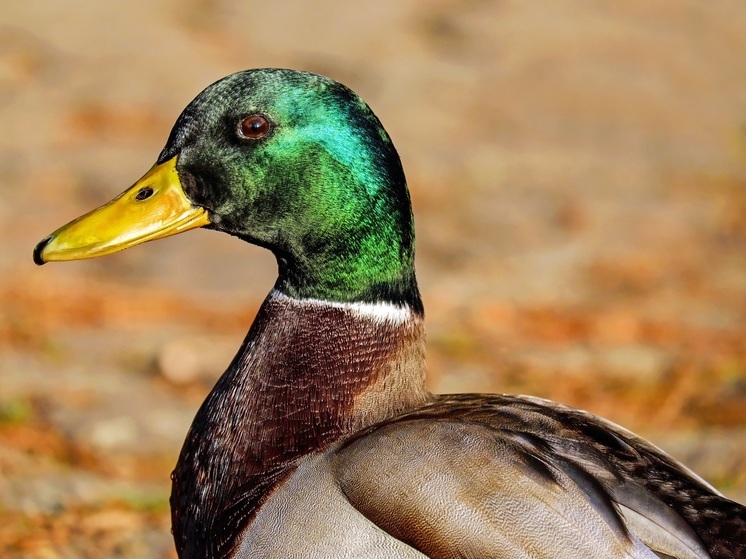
[(321, 440)]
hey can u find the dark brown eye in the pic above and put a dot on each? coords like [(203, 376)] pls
[(254, 127)]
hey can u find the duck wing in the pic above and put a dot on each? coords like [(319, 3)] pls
[(510, 476)]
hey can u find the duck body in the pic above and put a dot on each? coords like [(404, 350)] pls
[(321, 440), (359, 478)]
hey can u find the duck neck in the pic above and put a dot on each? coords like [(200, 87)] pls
[(309, 373)]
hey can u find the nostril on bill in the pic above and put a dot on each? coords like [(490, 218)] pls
[(144, 193)]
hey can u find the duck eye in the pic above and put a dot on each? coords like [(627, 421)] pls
[(254, 127)]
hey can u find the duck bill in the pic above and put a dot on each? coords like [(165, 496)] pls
[(153, 208)]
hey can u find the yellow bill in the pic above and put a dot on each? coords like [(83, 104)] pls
[(153, 208)]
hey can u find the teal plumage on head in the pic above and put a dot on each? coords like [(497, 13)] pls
[(324, 189)]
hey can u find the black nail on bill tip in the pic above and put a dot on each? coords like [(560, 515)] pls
[(38, 260)]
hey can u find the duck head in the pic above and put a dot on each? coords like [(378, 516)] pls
[(291, 161)]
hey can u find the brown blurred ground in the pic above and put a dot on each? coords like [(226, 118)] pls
[(578, 171)]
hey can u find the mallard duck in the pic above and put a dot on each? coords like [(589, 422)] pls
[(321, 440)]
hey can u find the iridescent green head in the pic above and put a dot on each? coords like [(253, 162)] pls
[(291, 161)]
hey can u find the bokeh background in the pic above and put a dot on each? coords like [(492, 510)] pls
[(578, 173)]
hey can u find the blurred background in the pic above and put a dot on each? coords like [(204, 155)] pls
[(578, 174)]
